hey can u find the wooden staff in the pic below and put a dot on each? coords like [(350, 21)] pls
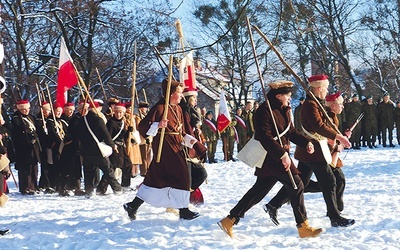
[(266, 97), (163, 61), (59, 130), (81, 83), (144, 95), (166, 106), (297, 77), (41, 111), (101, 84), (132, 120)]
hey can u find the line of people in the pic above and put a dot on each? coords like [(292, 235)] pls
[(61, 142)]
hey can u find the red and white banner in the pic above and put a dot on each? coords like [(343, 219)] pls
[(187, 75), (67, 77), (224, 118)]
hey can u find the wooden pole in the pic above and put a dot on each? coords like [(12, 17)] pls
[(297, 77), (101, 84), (167, 94), (266, 97)]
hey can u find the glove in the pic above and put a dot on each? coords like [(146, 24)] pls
[(130, 129)]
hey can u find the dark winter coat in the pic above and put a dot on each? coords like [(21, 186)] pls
[(265, 133), (88, 146), (386, 115), (26, 141), (313, 120)]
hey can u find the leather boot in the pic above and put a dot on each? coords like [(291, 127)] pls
[(132, 207), (186, 214), (306, 230), (227, 223)]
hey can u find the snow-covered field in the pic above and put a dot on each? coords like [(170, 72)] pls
[(372, 198)]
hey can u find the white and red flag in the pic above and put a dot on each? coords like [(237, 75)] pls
[(67, 77), (187, 75), (224, 118)]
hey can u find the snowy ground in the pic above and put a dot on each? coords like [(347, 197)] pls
[(372, 198)]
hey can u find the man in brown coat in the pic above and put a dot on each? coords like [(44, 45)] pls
[(315, 126), (277, 162)]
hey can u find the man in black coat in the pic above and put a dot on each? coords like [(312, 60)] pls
[(27, 148), (90, 152)]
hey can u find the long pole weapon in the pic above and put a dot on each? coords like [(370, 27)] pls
[(168, 91), (297, 77), (132, 120), (144, 95), (41, 110), (266, 97), (60, 132), (101, 84)]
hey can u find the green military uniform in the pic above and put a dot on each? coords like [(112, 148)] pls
[(370, 123), (386, 118), (228, 140), (211, 135), (353, 110)]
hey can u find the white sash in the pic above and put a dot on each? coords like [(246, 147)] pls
[(323, 142)]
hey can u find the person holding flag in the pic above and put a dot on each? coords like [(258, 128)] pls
[(226, 126)]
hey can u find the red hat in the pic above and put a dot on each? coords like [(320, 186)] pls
[(93, 105), (69, 105), (120, 107), (128, 104), (81, 104), (45, 105), (332, 97), (318, 81), (23, 104), (57, 105)]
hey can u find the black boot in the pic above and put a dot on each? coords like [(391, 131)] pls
[(186, 214), (4, 232), (273, 212), (342, 222), (132, 207)]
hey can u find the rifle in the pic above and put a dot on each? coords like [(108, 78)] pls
[(266, 97), (335, 154)]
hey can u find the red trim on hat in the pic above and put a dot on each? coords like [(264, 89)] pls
[(94, 105), (333, 97), (317, 78)]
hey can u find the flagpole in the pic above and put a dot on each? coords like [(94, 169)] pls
[(266, 97), (166, 106)]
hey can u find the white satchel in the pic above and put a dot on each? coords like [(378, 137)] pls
[(105, 149), (252, 154)]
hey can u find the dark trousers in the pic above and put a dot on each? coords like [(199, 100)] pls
[(261, 188), (90, 164), (198, 174), (327, 183), (313, 187), (27, 178)]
